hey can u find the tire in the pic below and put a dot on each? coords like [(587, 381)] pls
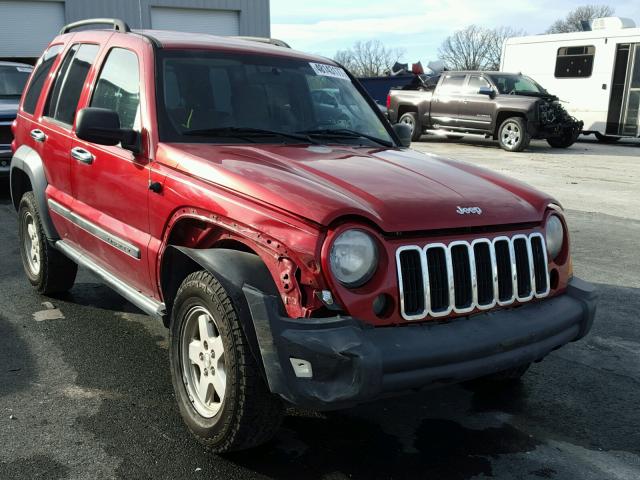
[(606, 138), (236, 411), (513, 135), (565, 141), (47, 269), (411, 119)]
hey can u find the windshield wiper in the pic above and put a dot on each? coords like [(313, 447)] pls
[(344, 133), (246, 132)]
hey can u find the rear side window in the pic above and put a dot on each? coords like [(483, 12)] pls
[(39, 76), (575, 62), (63, 100), (451, 84), (118, 87)]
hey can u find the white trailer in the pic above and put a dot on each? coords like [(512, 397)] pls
[(595, 73)]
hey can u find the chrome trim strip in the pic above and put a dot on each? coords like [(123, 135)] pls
[(98, 232), (149, 305), (428, 311)]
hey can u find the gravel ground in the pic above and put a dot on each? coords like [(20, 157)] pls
[(88, 395)]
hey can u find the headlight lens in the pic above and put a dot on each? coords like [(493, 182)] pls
[(555, 236), (353, 258)]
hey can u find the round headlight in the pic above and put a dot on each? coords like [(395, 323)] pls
[(555, 236), (353, 258)]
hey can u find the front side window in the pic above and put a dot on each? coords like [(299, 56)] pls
[(118, 87), (476, 82), (575, 62), (216, 97), (39, 76), (63, 99)]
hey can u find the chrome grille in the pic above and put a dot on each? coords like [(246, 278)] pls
[(439, 279)]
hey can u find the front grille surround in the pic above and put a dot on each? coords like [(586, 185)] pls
[(511, 260)]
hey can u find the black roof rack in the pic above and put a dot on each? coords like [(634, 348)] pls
[(117, 24)]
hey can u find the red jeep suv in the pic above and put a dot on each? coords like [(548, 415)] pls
[(256, 200)]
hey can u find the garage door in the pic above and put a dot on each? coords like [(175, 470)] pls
[(215, 22), (28, 27)]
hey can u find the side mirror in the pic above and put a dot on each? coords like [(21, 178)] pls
[(102, 126), (490, 92), (403, 131)]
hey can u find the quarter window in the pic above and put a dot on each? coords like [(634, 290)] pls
[(38, 78), (118, 87), (63, 100), (575, 62)]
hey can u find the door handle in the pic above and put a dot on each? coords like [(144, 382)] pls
[(38, 135), (82, 155)]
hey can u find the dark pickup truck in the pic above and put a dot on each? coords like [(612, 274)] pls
[(507, 107)]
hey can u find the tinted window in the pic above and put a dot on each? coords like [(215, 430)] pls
[(63, 100), (575, 62), (204, 91), (13, 79), (475, 83), (39, 76), (118, 86), (451, 84)]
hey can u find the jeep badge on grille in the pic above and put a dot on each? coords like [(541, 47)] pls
[(469, 211)]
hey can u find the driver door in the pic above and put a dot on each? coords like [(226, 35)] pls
[(110, 184), (476, 110)]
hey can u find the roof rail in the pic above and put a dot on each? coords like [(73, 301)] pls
[(117, 24), (270, 41)]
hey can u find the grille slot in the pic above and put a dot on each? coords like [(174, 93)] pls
[(460, 277), (412, 281), (438, 279)]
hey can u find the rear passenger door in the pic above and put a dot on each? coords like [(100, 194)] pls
[(446, 101), (111, 184), (53, 134), (476, 110)]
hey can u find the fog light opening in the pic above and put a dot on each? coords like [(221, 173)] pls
[(554, 279), (302, 368), (382, 305)]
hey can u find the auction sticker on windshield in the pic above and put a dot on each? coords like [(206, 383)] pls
[(329, 71)]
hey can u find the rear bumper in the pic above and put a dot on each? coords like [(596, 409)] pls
[(353, 362)]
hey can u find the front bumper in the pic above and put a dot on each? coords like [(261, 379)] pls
[(353, 362)]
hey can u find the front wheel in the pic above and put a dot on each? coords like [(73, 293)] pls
[(47, 269), (221, 394), (411, 119), (513, 135)]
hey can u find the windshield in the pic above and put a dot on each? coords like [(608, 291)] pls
[(217, 97), (13, 79), (509, 83)]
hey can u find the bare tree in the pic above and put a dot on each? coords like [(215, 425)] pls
[(475, 48), (573, 21), (368, 59)]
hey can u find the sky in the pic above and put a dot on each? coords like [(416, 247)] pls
[(416, 26)]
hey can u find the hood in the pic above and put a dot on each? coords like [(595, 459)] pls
[(9, 107), (399, 190)]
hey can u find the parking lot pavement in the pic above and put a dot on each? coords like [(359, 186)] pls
[(588, 176), (89, 395)]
